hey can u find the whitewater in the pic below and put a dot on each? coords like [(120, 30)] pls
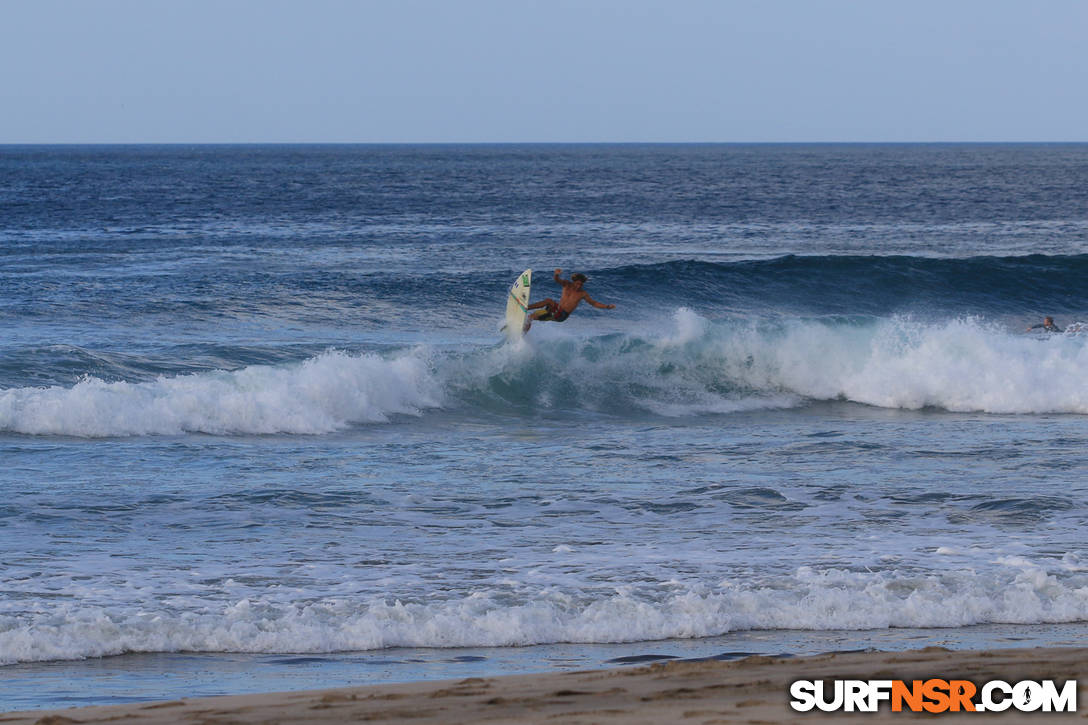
[(690, 367)]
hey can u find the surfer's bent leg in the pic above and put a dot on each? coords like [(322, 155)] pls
[(549, 314)]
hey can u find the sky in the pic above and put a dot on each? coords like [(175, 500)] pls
[(467, 71)]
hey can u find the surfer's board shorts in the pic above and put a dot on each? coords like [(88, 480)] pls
[(553, 313)]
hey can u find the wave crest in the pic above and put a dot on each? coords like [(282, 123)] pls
[(323, 394)]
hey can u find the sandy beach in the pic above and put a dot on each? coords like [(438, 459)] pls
[(752, 690)]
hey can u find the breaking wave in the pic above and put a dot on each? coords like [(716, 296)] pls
[(320, 395), (690, 366), (1018, 592)]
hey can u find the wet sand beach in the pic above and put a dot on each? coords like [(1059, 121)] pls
[(752, 690)]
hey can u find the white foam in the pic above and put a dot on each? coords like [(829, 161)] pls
[(961, 365), (322, 394), (1021, 593)]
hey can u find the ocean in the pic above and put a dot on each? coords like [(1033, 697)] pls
[(260, 430)]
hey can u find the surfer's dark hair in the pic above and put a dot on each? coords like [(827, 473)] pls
[(578, 277)]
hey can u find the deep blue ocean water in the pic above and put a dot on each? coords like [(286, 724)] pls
[(259, 428)]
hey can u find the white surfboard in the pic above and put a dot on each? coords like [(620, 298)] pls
[(517, 303)]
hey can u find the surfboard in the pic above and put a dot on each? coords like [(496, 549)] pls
[(517, 302)]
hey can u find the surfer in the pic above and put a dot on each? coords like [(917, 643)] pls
[(551, 311), (1047, 324)]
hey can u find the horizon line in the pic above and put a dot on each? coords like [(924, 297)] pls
[(537, 143)]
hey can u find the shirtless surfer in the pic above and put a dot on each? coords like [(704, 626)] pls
[(573, 294)]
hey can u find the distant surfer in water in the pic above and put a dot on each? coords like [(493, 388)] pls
[(1047, 324), (573, 294)]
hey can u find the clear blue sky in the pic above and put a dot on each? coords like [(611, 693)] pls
[(545, 70)]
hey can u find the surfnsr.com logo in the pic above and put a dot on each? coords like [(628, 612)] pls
[(933, 696)]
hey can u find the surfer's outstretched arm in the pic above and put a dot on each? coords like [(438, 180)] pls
[(598, 305)]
